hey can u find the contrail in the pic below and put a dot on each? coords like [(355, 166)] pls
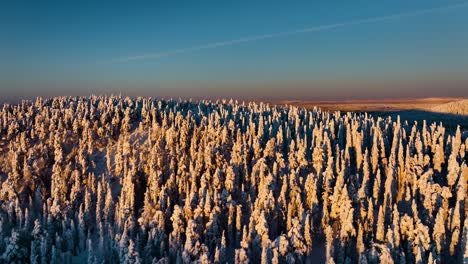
[(286, 33)]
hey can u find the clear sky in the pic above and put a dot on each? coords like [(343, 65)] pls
[(242, 49)]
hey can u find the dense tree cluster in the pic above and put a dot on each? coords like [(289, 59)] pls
[(109, 179)]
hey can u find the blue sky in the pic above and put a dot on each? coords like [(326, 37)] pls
[(73, 48)]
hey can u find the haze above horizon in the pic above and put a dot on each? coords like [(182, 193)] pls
[(248, 50)]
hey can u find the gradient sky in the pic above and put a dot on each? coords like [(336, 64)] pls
[(350, 49)]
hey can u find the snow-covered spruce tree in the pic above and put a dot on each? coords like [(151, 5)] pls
[(106, 179)]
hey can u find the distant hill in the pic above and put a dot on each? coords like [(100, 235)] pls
[(376, 105), (457, 107), (452, 112)]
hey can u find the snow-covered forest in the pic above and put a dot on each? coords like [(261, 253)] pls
[(112, 179)]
